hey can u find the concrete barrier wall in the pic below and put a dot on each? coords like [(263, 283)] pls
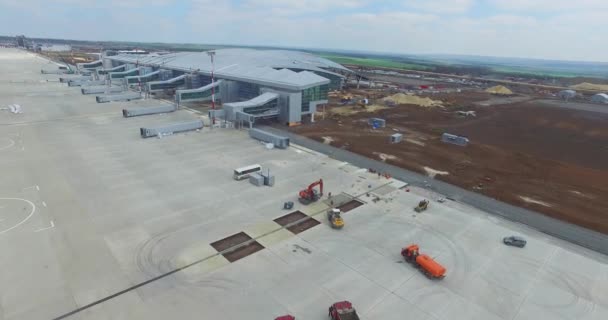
[(135, 112), (101, 89), (127, 96), (278, 141), (170, 128), (74, 78), (76, 83)]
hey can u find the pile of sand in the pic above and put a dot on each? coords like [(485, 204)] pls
[(499, 90), (384, 156), (327, 140), (590, 86), (535, 201), (401, 98), (432, 172)]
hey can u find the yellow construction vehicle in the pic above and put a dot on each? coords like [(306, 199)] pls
[(422, 205), (334, 218)]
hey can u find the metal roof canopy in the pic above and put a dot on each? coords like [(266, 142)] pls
[(173, 82), (179, 93), (141, 77), (256, 66), (257, 101)]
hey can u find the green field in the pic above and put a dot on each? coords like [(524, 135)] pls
[(535, 73), (455, 66), (371, 62)]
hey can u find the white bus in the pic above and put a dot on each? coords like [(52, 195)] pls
[(244, 172)]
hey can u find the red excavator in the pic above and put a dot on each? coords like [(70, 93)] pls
[(309, 194), (426, 264), (286, 317)]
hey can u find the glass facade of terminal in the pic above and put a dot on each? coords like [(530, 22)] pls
[(336, 81), (144, 78), (199, 95), (248, 91), (167, 85), (120, 75), (313, 94)]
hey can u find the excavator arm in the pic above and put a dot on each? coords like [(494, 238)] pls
[(314, 184), (308, 195)]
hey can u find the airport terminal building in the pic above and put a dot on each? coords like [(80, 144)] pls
[(249, 84)]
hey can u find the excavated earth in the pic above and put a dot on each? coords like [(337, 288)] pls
[(551, 160)]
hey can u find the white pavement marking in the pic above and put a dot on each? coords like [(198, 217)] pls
[(10, 143), (44, 204), (42, 229), (24, 220), (32, 187)]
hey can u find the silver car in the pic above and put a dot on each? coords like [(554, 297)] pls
[(514, 241)]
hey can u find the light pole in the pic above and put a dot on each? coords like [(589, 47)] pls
[(211, 54)]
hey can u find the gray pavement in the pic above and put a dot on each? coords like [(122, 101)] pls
[(97, 223)]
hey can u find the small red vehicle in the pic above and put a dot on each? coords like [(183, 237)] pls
[(285, 317), (343, 310)]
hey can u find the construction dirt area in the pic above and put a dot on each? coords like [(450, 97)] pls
[(529, 153)]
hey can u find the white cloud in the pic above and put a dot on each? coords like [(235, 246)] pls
[(550, 5), (303, 6), (74, 4), (441, 6), (410, 27)]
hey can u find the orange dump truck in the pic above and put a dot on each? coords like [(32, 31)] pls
[(426, 264)]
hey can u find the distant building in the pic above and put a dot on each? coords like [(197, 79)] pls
[(20, 41), (56, 47), (134, 51), (251, 84), (566, 94), (600, 98)]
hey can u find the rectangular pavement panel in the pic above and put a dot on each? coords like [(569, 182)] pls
[(237, 246), (305, 223)]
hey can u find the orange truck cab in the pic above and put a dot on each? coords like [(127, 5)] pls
[(425, 263)]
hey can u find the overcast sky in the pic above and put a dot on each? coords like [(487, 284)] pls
[(549, 29)]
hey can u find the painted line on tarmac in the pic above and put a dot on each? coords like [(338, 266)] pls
[(51, 227), (10, 144), (24, 220), (25, 123)]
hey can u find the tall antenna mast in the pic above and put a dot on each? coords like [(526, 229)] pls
[(211, 54)]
